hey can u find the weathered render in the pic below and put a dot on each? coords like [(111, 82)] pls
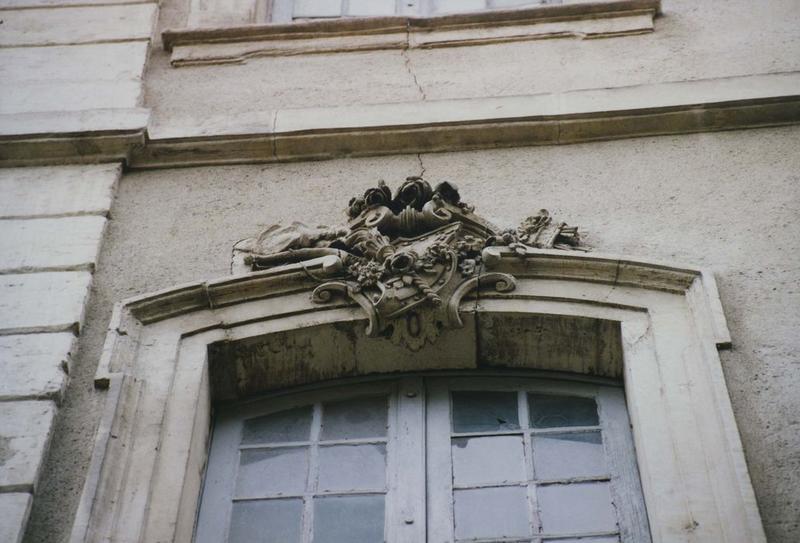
[(141, 144)]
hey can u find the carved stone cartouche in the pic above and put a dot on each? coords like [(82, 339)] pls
[(407, 259)]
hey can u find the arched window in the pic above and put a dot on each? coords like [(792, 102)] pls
[(456, 458), (172, 356)]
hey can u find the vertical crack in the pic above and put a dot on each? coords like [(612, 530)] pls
[(275, 135), (407, 62), (421, 166)]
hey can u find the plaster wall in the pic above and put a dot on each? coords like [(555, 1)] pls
[(692, 40), (727, 200)]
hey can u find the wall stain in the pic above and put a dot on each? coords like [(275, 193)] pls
[(6, 451)]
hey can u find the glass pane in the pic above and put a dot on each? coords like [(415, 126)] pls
[(352, 467), (484, 411), (452, 6), (271, 471), (478, 460), (317, 8), (356, 418), (557, 456), (346, 519), (266, 521), (554, 411), (491, 512), (582, 507), (367, 8), (290, 425)]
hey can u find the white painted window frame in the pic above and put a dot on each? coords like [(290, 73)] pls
[(146, 471), (617, 441), (419, 491), (404, 453)]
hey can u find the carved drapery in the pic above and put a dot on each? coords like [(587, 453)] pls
[(407, 259)]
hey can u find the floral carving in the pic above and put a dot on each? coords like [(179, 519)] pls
[(407, 258), (365, 273)]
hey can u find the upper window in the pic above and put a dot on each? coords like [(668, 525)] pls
[(285, 11), (233, 31), (414, 459)]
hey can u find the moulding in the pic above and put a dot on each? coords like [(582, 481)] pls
[(407, 127), (293, 279), (369, 25), (89, 136), (590, 20), (537, 264), (453, 125)]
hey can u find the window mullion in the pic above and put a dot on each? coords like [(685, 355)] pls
[(439, 462), (524, 422), (313, 474), (406, 496)]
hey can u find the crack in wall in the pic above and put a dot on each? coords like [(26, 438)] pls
[(274, 134), (407, 63), (421, 166)]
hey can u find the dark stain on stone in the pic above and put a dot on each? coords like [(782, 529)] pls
[(6, 452)]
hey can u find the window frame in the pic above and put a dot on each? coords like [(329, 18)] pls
[(402, 442), (617, 442), (419, 491)]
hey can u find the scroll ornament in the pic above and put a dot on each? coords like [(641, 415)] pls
[(408, 258)]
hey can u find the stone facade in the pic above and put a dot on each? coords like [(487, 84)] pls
[(140, 142), (53, 220)]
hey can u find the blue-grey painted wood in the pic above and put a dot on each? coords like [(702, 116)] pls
[(428, 479)]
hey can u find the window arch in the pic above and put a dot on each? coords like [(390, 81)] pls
[(161, 368)]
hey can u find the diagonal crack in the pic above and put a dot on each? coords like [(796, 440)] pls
[(407, 62), (421, 166)]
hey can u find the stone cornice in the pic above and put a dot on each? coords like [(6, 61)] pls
[(71, 137), (453, 125), (406, 127), (541, 264)]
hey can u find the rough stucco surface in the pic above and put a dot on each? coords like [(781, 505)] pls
[(728, 201), (693, 40)]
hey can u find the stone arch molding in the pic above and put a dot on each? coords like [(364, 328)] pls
[(170, 355)]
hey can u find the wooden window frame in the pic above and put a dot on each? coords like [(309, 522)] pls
[(402, 442), (419, 489), (617, 441)]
